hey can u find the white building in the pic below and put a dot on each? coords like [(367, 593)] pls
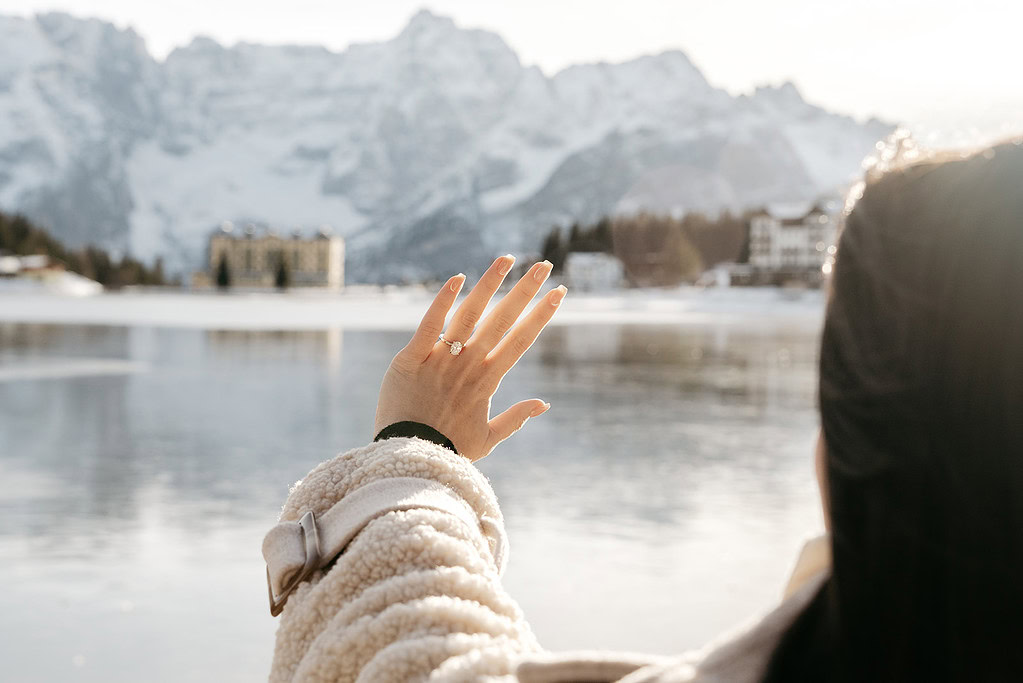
[(792, 238), (36, 272), (593, 271)]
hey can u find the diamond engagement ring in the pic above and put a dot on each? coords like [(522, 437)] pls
[(456, 346)]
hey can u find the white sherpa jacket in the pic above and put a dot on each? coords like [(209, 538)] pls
[(416, 594)]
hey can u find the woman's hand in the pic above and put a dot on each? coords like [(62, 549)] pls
[(426, 383)]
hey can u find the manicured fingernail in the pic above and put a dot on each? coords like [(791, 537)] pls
[(543, 271), (540, 410), (506, 264), (559, 294), (456, 282)]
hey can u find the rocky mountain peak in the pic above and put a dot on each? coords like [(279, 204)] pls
[(426, 23), (429, 152)]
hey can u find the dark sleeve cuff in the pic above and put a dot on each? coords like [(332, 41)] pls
[(417, 429)]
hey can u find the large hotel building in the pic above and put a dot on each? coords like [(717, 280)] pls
[(253, 260)]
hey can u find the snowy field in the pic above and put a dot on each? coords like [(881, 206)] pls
[(401, 308)]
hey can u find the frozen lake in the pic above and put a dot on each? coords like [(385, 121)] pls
[(144, 455)]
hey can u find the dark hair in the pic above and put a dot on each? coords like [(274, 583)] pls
[(921, 400)]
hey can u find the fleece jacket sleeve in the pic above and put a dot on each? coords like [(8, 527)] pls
[(416, 595)]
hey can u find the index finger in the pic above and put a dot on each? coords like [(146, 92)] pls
[(430, 327)]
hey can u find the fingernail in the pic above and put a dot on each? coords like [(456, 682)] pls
[(559, 294), (540, 410), (543, 271), (506, 265), (456, 282)]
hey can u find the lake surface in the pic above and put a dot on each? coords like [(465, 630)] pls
[(661, 499)]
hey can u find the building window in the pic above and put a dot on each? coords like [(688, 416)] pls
[(248, 258)]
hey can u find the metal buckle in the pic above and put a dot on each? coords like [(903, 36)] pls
[(312, 561)]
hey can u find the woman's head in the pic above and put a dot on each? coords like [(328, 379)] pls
[(921, 397)]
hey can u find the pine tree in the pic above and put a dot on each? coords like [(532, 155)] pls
[(602, 236), (574, 237), (101, 265), (157, 276), (283, 277), (223, 273), (553, 250)]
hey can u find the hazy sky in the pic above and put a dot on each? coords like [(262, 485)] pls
[(941, 66)]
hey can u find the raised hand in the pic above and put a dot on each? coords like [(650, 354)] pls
[(427, 383)]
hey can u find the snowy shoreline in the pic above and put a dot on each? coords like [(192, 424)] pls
[(402, 308)]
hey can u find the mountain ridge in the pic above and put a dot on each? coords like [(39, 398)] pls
[(432, 150)]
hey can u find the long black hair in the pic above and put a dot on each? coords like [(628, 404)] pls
[(921, 401)]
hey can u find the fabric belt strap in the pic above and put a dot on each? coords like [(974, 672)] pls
[(294, 550)]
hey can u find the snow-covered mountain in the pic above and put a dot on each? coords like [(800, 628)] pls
[(430, 152)]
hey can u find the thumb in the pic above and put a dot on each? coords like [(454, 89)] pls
[(510, 421)]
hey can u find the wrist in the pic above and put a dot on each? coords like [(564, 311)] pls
[(409, 428)]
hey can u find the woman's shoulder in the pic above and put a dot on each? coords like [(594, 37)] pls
[(740, 655)]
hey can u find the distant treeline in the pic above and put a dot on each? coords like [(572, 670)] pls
[(657, 250), (20, 237)]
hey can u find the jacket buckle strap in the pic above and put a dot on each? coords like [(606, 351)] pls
[(295, 550), (312, 560)]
